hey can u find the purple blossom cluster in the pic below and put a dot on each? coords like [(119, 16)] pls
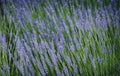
[(58, 43)]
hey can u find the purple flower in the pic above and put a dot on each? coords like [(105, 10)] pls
[(48, 62), (75, 68), (9, 55), (53, 57), (2, 72), (93, 47), (63, 73), (59, 57), (116, 35), (31, 69), (44, 64), (84, 59), (77, 43), (58, 71), (78, 58), (103, 49), (60, 47), (6, 67), (99, 59), (66, 70), (86, 50), (99, 1), (90, 57), (3, 41), (72, 47), (35, 43), (68, 60), (40, 67)]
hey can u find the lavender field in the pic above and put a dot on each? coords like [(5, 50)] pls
[(59, 37)]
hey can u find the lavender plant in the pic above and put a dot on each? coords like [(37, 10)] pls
[(60, 38)]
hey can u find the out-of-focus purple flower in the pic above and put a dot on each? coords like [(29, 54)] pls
[(2, 72), (84, 59), (20, 48), (53, 57), (59, 57), (65, 26), (3, 42), (93, 47), (99, 59), (63, 73), (91, 57), (78, 58), (87, 41), (68, 60), (60, 47), (10, 55), (40, 67), (52, 46), (6, 67), (99, 1), (89, 10), (35, 39), (66, 70), (58, 71), (103, 49), (116, 35), (31, 69), (75, 68), (72, 47), (42, 47), (44, 64), (46, 36), (86, 50), (27, 47), (48, 62), (78, 45)]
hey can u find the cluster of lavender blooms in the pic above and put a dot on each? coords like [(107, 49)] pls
[(59, 43)]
